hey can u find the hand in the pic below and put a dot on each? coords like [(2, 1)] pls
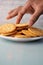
[(34, 7)]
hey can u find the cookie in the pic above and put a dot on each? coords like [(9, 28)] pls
[(8, 34), (36, 31), (28, 33), (18, 33), (21, 26), (7, 29), (20, 30), (21, 36)]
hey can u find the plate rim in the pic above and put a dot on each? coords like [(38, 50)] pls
[(20, 39)]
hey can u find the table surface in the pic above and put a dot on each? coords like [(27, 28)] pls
[(16, 53), (19, 53)]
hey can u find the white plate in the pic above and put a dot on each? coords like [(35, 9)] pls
[(20, 39)]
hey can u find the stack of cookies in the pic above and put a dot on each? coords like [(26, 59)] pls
[(20, 31)]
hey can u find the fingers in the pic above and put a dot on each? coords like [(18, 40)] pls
[(22, 12), (34, 17), (11, 11), (30, 10), (12, 14), (20, 15)]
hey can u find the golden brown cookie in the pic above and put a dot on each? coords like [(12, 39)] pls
[(18, 33), (36, 31), (8, 34), (21, 36), (20, 30), (7, 29), (28, 33), (21, 26)]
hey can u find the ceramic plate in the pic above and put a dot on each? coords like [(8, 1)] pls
[(20, 39)]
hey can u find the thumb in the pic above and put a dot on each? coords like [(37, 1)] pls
[(34, 17)]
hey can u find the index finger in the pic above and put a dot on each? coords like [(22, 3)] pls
[(22, 12)]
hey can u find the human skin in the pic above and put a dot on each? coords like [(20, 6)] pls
[(33, 7)]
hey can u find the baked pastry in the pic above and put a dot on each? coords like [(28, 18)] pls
[(7, 29)]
